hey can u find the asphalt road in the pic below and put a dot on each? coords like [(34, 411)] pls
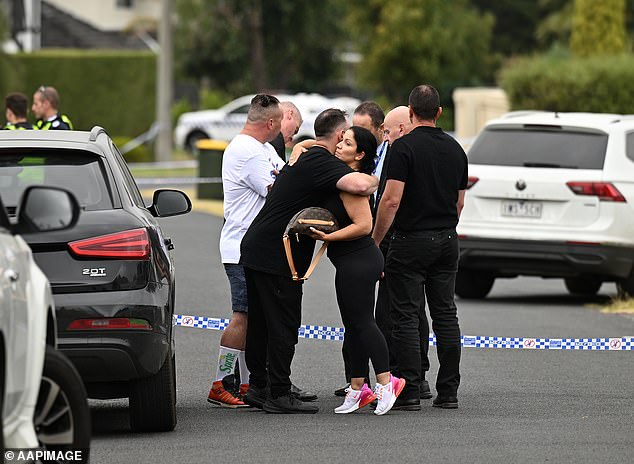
[(515, 405)]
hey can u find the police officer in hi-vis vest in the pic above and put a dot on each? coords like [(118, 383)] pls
[(45, 108), (15, 111)]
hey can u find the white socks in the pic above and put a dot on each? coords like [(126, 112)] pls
[(244, 370), (227, 358)]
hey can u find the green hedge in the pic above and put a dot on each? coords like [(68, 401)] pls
[(598, 84), (112, 89)]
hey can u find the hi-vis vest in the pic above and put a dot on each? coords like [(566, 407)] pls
[(19, 126), (55, 123)]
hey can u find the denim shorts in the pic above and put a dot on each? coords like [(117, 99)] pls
[(238, 284)]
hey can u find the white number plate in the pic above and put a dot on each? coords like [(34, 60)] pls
[(528, 209)]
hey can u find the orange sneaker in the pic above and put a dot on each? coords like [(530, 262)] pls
[(221, 397)]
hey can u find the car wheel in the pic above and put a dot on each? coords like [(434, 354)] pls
[(153, 400), (192, 139), (473, 284), (62, 418), (584, 286)]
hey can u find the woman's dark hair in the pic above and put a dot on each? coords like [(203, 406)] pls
[(366, 142)]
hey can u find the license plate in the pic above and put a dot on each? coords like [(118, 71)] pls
[(528, 209)]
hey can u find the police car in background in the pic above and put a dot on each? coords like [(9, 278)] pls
[(226, 122)]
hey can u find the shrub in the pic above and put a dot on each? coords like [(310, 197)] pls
[(595, 84), (112, 89)]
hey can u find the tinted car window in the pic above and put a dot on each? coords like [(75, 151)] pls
[(132, 187), (77, 171), (629, 145), (539, 148)]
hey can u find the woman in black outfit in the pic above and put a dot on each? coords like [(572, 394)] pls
[(359, 264)]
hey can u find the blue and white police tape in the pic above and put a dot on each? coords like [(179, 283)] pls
[(321, 332)]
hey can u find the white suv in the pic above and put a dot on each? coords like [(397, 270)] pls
[(42, 397), (550, 195)]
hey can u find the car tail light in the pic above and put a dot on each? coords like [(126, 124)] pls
[(472, 181), (113, 323), (130, 244), (604, 190)]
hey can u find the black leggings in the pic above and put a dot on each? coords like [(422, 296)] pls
[(355, 284)]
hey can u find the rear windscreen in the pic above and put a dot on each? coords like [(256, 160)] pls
[(539, 148), (77, 171)]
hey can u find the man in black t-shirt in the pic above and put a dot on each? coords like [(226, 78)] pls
[(424, 195), (274, 297)]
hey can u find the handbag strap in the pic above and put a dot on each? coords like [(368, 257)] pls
[(291, 263)]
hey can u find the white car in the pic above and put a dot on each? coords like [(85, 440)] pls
[(550, 195), (226, 122), (42, 397)]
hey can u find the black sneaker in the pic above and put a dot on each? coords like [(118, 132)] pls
[(406, 404), (425, 391), (230, 384), (255, 396), (302, 395), (446, 402), (342, 391), (289, 404)]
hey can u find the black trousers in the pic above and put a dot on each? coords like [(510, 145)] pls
[(355, 285), (422, 264), (275, 313), (384, 320)]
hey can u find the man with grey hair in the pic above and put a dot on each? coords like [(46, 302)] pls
[(249, 167), (291, 121)]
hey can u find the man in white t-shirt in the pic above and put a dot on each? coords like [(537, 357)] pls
[(249, 167)]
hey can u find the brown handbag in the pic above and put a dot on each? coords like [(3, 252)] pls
[(300, 224)]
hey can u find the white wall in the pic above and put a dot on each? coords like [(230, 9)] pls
[(105, 15)]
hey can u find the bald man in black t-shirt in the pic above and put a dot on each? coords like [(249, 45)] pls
[(424, 195)]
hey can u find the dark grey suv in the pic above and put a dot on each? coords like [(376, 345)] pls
[(111, 275)]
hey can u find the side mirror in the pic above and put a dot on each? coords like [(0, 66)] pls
[(46, 209), (167, 202)]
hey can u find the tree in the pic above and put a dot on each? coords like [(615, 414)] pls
[(598, 27), (247, 45), (408, 42)]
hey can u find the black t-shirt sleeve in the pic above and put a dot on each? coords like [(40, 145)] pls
[(398, 168), (327, 170), (465, 173)]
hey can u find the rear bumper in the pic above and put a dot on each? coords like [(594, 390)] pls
[(547, 259), (103, 355)]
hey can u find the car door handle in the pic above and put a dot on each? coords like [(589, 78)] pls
[(12, 275)]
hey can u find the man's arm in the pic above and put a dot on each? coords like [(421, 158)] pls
[(460, 203), (390, 201), (358, 183)]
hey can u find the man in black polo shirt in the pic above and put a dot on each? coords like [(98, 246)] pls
[(274, 297), (423, 198)]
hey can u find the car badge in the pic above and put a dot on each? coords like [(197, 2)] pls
[(520, 185)]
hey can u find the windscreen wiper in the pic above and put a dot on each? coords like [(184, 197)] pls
[(547, 165)]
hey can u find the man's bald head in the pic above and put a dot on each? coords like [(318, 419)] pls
[(397, 123)]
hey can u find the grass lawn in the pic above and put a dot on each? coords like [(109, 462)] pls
[(174, 172)]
